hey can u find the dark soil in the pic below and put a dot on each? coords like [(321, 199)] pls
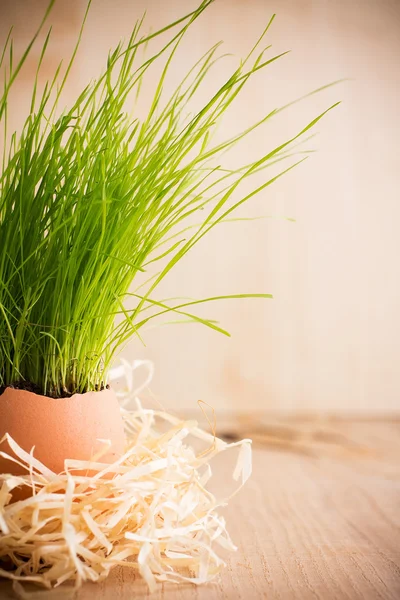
[(36, 389)]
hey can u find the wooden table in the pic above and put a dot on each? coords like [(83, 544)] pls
[(320, 519)]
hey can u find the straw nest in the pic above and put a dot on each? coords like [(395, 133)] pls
[(150, 510)]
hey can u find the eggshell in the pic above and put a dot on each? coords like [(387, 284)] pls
[(60, 428)]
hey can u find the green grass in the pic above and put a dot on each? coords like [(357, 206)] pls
[(92, 198)]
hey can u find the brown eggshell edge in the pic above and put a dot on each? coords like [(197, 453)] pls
[(61, 428)]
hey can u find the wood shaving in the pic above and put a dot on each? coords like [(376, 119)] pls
[(150, 510)]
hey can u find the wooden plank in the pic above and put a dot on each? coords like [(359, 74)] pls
[(321, 526)]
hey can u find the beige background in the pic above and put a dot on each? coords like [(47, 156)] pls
[(330, 339)]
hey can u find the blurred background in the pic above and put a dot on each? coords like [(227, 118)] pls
[(329, 341)]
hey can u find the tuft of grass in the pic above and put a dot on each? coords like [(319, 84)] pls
[(92, 197)]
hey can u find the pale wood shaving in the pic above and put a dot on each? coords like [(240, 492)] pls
[(150, 510)]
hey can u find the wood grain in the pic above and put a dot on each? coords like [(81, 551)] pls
[(317, 526)]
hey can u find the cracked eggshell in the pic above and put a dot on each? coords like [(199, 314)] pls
[(60, 428)]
